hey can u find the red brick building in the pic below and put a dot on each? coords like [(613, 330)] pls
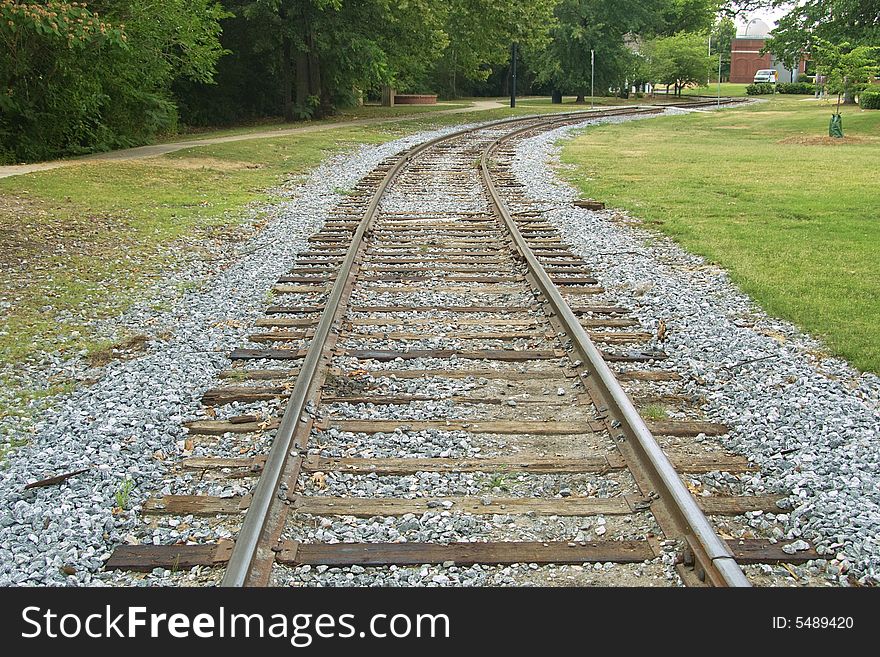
[(746, 58)]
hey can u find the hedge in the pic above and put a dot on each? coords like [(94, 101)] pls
[(869, 99), (795, 88), (761, 88)]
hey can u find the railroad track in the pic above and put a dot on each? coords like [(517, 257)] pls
[(438, 374)]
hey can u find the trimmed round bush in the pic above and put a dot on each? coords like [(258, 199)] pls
[(869, 99), (796, 88), (760, 89)]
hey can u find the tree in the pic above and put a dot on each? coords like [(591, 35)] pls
[(847, 68), (810, 23), (413, 39), (613, 30), (722, 35), (480, 33), (322, 54), (78, 78), (166, 42), (679, 60), (51, 96), (855, 21)]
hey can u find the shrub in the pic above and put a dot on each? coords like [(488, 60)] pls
[(72, 82), (870, 99), (795, 88), (760, 88)]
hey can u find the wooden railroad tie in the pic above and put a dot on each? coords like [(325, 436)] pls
[(144, 558), (209, 505)]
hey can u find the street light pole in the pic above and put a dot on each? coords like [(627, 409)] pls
[(719, 78), (513, 75), (592, 75)]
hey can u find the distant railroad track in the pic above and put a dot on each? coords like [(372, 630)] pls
[(435, 300)]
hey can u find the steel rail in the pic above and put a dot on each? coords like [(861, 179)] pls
[(710, 552), (247, 542)]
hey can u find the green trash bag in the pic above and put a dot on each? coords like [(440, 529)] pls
[(835, 128)]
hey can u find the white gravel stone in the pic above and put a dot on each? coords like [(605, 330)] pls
[(810, 422), (134, 411)]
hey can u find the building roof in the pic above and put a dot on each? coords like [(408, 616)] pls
[(754, 29)]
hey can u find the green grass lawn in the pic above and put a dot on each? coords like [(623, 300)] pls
[(727, 89), (343, 115), (86, 239), (763, 192)]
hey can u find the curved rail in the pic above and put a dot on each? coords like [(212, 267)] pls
[(710, 552), (248, 539), (246, 545)]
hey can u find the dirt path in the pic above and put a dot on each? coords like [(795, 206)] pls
[(154, 150)]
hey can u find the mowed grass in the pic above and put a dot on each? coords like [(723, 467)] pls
[(82, 242), (733, 89), (363, 112), (763, 192)]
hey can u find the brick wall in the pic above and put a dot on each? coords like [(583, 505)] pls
[(745, 60), (415, 99)]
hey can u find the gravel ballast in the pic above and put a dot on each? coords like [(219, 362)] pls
[(128, 423), (811, 423)]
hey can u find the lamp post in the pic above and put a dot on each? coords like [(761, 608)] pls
[(513, 75), (592, 75)]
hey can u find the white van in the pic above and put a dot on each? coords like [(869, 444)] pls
[(770, 75)]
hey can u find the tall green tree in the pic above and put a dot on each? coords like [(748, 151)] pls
[(847, 68), (51, 96), (678, 60), (80, 77), (722, 35), (829, 31), (166, 42), (480, 34), (324, 53), (613, 30), (856, 22)]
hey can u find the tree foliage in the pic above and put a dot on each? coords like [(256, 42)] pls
[(613, 30), (723, 34), (302, 58), (854, 21), (847, 68), (50, 101), (80, 77), (100, 74), (480, 34), (678, 60), (809, 22)]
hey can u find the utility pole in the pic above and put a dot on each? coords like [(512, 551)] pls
[(592, 75), (513, 75)]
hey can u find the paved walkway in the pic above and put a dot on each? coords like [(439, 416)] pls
[(160, 149)]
